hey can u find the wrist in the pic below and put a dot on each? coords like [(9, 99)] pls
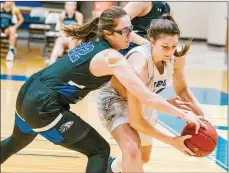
[(171, 140), (182, 115)]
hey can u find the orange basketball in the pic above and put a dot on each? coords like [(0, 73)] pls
[(202, 143)]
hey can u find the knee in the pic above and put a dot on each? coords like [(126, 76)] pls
[(104, 148), (12, 30), (132, 150)]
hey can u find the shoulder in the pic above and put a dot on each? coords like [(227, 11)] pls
[(137, 60), (78, 14), (110, 55), (139, 63), (144, 50), (62, 14)]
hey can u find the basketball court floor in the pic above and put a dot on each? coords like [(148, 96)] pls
[(206, 75)]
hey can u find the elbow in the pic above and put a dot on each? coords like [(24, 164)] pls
[(21, 21), (137, 123), (149, 99), (133, 124)]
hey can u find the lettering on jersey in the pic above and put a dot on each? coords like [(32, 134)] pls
[(159, 86), (160, 83), (80, 50)]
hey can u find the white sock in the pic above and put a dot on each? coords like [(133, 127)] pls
[(116, 165), (11, 47)]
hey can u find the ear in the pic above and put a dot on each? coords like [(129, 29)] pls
[(107, 33), (152, 41)]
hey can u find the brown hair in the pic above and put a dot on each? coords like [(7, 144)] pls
[(94, 28), (167, 25)]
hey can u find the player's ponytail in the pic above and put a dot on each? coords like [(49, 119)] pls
[(96, 26), (84, 32)]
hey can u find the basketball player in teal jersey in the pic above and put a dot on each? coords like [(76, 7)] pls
[(42, 105), (131, 124)]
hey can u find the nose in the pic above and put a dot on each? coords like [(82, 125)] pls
[(169, 52)]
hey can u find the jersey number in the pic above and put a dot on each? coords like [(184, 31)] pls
[(80, 50)]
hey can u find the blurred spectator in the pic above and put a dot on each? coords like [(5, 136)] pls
[(8, 27), (68, 17)]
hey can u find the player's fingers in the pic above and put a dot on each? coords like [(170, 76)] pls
[(183, 107), (179, 101), (197, 127), (189, 151), (186, 153), (202, 124), (204, 118), (185, 103), (186, 137)]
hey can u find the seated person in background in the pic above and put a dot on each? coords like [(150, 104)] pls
[(68, 17), (8, 10)]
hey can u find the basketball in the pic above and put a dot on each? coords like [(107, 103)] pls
[(202, 143)]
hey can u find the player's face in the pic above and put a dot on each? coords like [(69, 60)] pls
[(9, 3), (120, 35), (70, 7), (165, 46)]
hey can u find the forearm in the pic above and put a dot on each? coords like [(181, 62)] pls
[(137, 39), (135, 86), (187, 96), (18, 23), (144, 127), (158, 103), (138, 122)]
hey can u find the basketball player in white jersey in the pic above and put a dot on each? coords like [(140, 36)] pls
[(132, 124)]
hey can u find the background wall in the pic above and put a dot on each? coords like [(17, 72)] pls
[(198, 20), (202, 20)]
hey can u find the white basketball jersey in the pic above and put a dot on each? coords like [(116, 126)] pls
[(156, 81)]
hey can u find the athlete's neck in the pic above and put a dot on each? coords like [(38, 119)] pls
[(154, 57)]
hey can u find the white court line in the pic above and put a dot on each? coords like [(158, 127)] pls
[(37, 149)]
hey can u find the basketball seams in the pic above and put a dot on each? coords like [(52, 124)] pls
[(189, 129), (201, 134), (197, 146)]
